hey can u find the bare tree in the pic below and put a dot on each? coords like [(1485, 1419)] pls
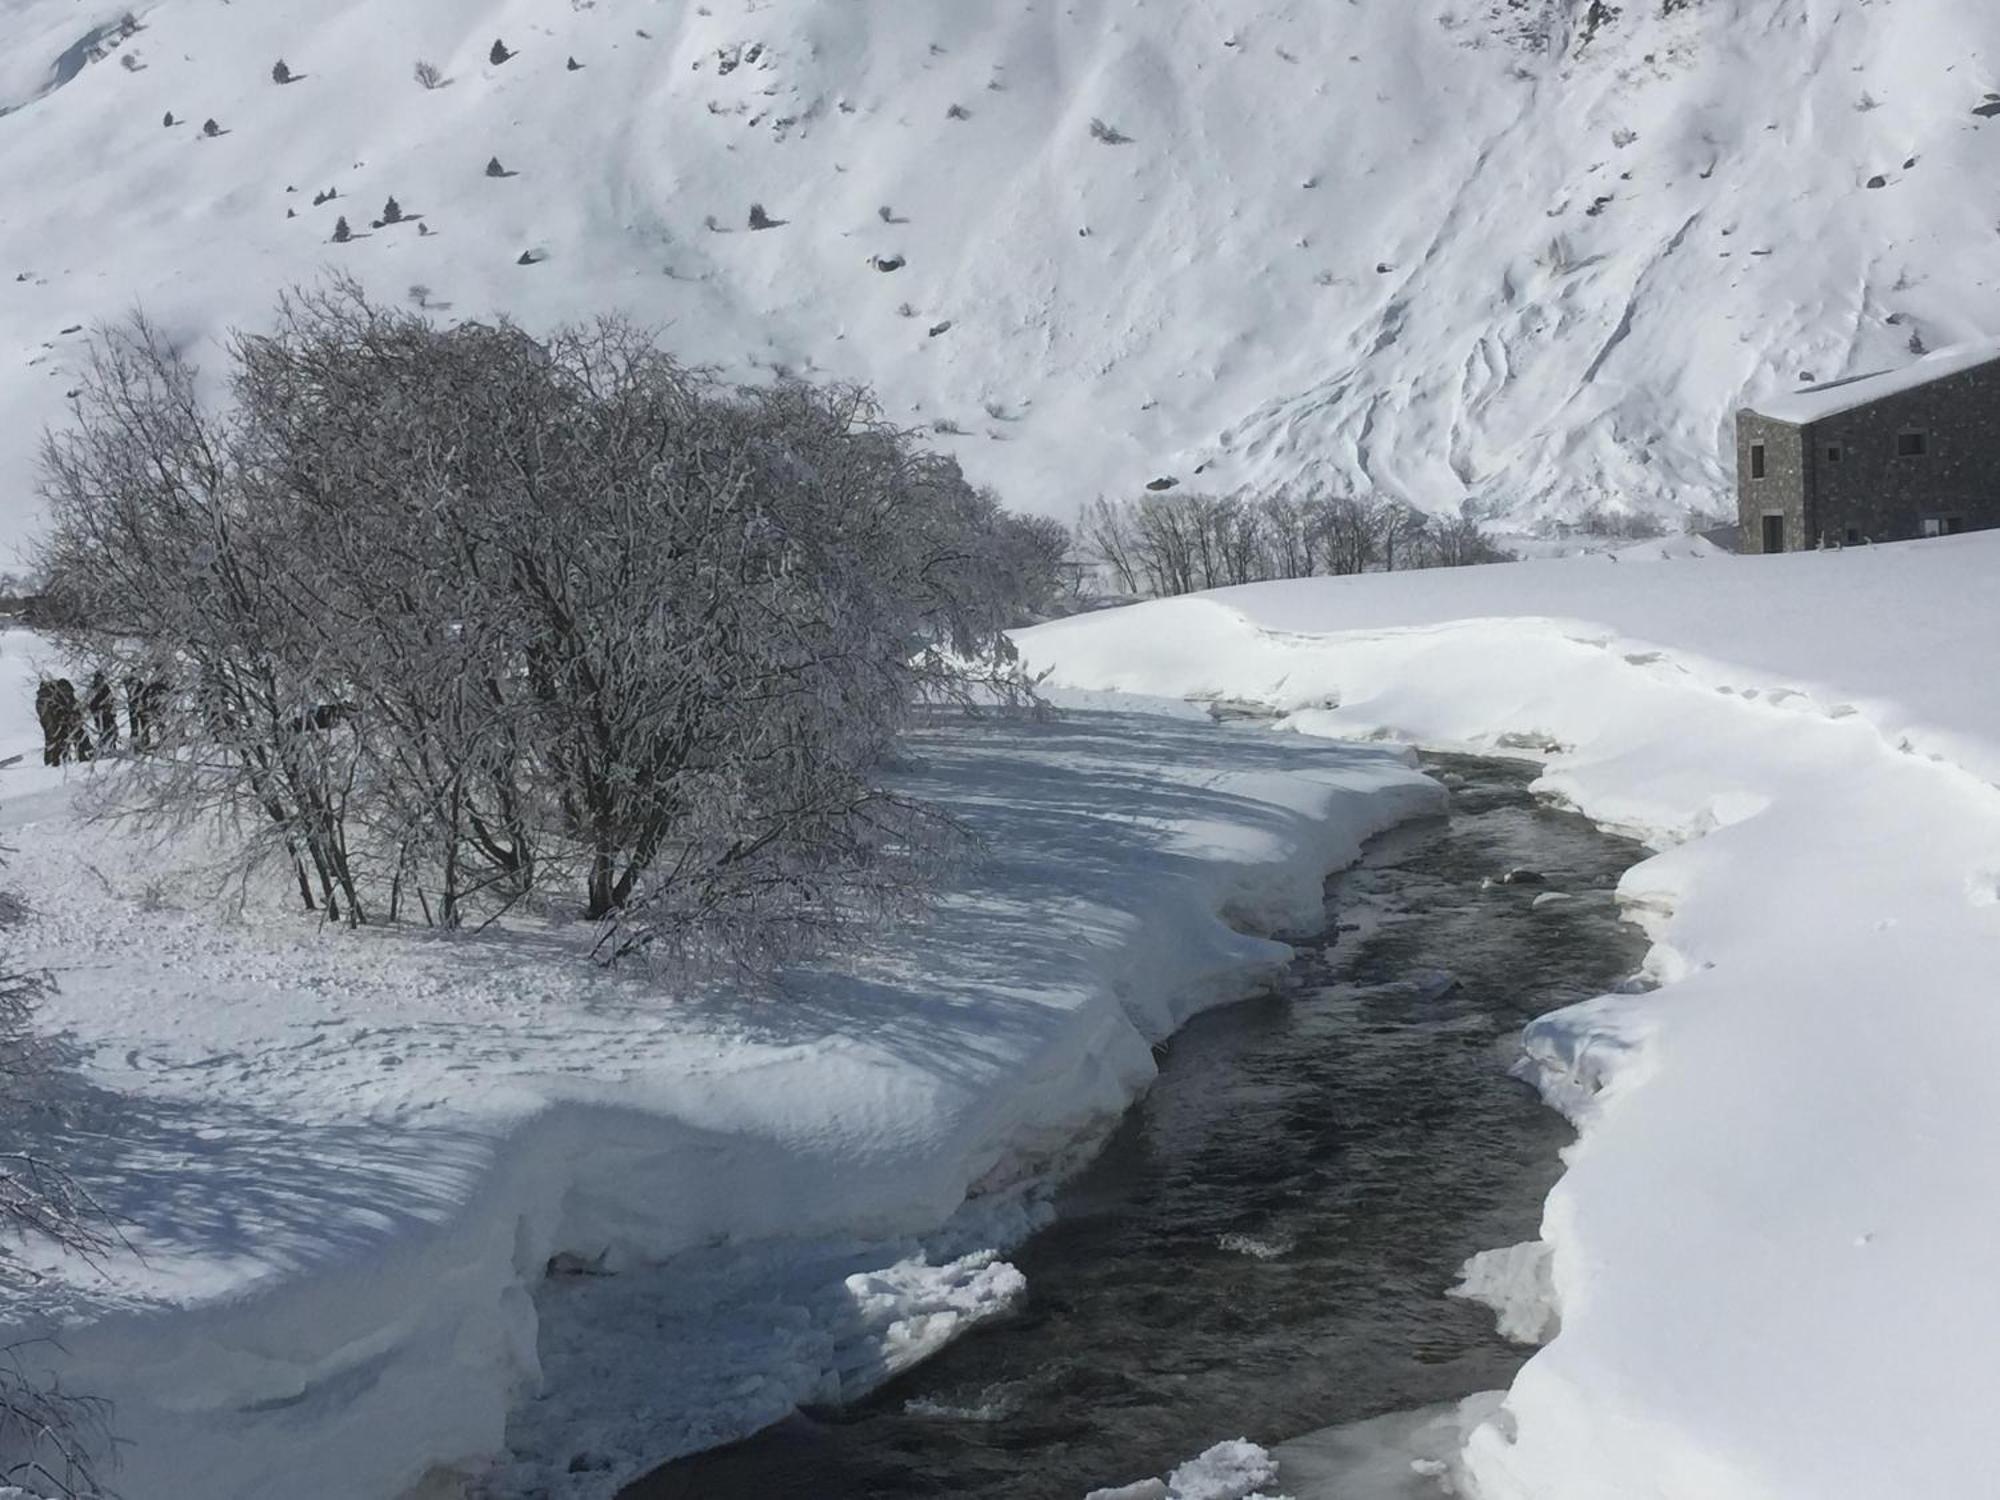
[(1175, 543), (1104, 535), (1400, 526), (1352, 531), (457, 616), (1291, 537), (1458, 541), (1166, 545)]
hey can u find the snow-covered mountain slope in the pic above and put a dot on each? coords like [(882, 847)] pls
[(1526, 252)]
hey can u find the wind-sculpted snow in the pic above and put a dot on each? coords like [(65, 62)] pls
[(396, 1201), (1768, 1261), (1438, 251)]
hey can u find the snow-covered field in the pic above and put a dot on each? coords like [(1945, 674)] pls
[(1433, 249), (1771, 1255), (351, 1162), (346, 1161)]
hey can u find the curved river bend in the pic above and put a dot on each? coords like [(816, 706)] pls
[(1263, 1246)]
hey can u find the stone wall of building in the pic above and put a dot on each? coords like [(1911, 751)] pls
[(1782, 489), (1859, 487)]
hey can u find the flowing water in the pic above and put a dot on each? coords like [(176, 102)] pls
[(1263, 1246)]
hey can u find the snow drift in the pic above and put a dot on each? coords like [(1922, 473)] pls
[(1441, 250)]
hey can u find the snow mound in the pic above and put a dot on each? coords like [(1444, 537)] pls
[(1234, 1470), (1514, 1283)]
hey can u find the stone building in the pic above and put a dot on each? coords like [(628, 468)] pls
[(1876, 458)]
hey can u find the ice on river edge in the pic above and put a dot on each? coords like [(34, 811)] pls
[(1404, 1456), (1234, 1470)]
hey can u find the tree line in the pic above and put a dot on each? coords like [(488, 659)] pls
[(449, 619), (1178, 543)]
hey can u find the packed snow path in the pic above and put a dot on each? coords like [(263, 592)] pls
[(1771, 1254), (348, 1159)]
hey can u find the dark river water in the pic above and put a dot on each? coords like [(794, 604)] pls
[(1263, 1246)]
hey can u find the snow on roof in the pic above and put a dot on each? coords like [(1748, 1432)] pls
[(1820, 401)]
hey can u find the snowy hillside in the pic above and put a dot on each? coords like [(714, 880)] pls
[(1444, 249)]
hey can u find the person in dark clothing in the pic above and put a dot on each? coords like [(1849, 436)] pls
[(75, 737), (45, 712), (144, 701), (103, 715), (322, 717)]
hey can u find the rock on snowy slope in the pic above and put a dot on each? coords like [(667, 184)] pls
[(1529, 254), (1772, 1278)]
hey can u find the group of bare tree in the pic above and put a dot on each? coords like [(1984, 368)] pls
[(457, 618), (1177, 543)]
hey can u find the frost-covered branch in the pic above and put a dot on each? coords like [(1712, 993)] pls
[(455, 618)]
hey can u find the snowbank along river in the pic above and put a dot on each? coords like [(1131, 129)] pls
[(1264, 1246)]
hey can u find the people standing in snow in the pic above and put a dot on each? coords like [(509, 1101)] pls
[(143, 703), (103, 715), (45, 712), (64, 737)]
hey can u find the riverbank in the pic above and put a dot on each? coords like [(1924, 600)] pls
[(1770, 1277), (364, 1177), (1264, 1246)]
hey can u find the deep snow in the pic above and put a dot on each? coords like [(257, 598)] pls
[(346, 1161), (1817, 402), (1440, 249), (1770, 1255)]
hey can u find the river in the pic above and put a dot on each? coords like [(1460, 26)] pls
[(1262, 1248)]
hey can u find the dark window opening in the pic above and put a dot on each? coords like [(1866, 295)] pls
[(1943, 525), (1774, 534), (1756, 460), (1853, 535), (1912, 444), (1833, 453)]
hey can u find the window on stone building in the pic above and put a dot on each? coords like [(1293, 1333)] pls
[(1943, 525), (1833, 453), (1853, 535), (1756, 460), (1912, 444)]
